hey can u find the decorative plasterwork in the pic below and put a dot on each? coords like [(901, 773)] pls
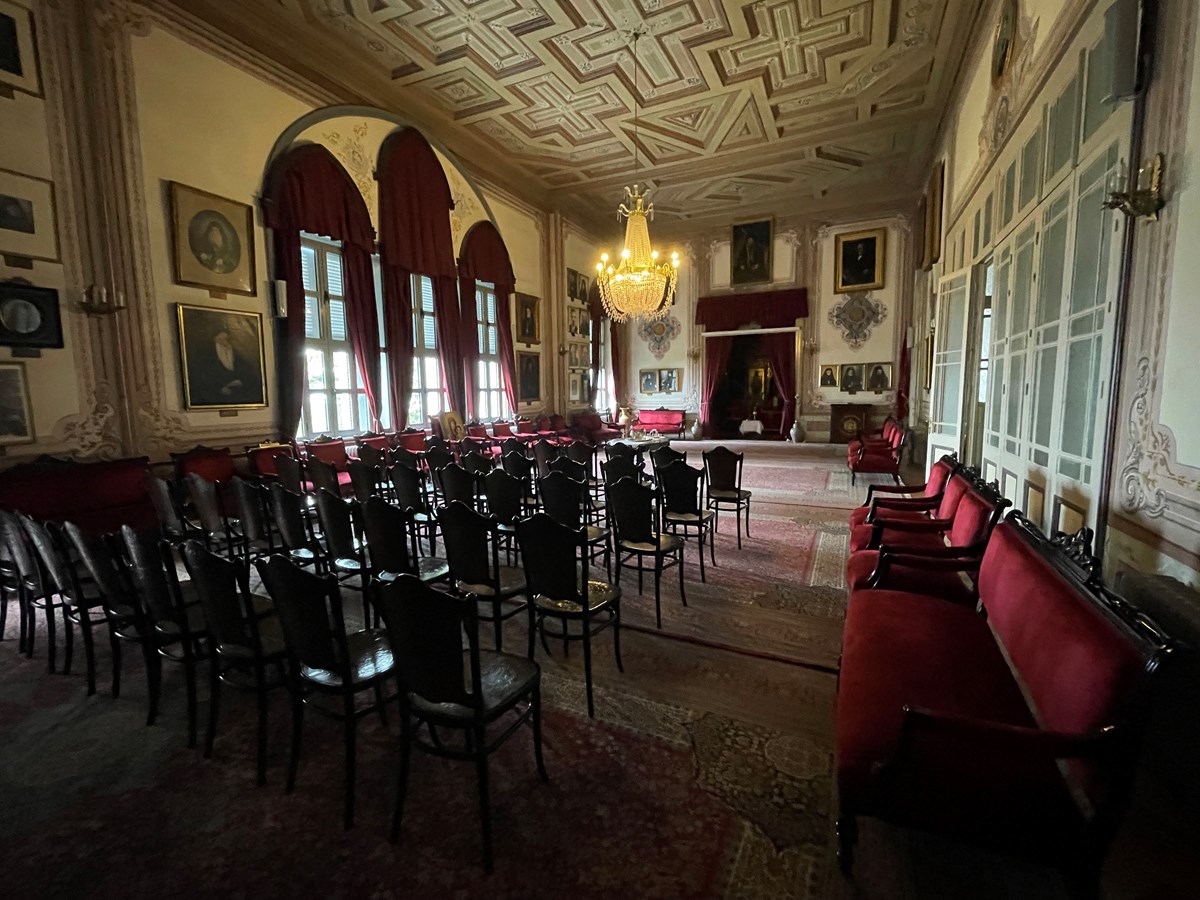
[(998, 116), (856, 316), (659, 333)]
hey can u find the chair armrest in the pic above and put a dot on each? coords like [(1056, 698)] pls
[(931, 526), (932, 559), (1012, 739), (901, 504), (873, 489)]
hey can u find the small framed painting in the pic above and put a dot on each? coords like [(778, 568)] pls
[(829, 376), (529, 322), (669, 380), (576, 388), (648, 381), (750, 252), (529, 381), (16, 412), (851, 377), (213, 241), (18, 49), (859, 258), (879, 377), (221, 358), (28, 224), (29, 316)]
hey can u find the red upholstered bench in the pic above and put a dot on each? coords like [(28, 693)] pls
[(99, 497), (1016, 727), (664, 421)]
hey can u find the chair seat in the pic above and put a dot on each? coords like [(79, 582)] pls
[(270, 635), (860, 538), (429, 568), (596, 534), (503, 678), (600, 594), (858, 515), (370, 659), (946, 585), (512, 581), (689, 518), (728, 495), (347, 564), (302, 555), (664, 543)]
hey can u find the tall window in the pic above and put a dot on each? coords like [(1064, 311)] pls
[(337, 402), (428, 394), (491, 402), (604, 398)]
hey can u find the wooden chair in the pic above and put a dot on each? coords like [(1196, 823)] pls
[(364, 479), (637, 525), (724, 468), (441, 686), (391, 537), (26, 581), (456, 484), (566, 501), (681, 489), (171, 522), (255, 535), (215, 525), (295, 528), (408, 488)]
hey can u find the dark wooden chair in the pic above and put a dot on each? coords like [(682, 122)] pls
[(544, 453), (556, 571), (324, 658), (473, 552), (624, 467), (171, 522), (637, 524), (324, 477), (512, 445), (506, 503), (295, 527), (290, 472), (681, 488), (345, 553), (661, 457), (25, 580), (254, 534), (456, 484), (244, 639), (408, 487), (566, 501), (372, 456), (443, 686), (724, 468), (616, 450), (391, 537), (364, 479), (216, 526)]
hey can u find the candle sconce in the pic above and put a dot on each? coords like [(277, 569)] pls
[(1144, 198), (97, 301)]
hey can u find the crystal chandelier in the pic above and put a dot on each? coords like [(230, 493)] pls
[(638, 286)]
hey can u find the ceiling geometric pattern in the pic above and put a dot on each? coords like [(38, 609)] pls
[(758, 105)]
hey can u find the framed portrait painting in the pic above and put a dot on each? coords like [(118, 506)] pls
[(29, 316), (18, 49), (858, 260), (28, 225), (879, 377), (750, 252), (212, 241), (529, 377), (669, 380), (648, 381), (16, 412), (829, 376), (576, 388), (851, 377), (221, 357), (529, 322)]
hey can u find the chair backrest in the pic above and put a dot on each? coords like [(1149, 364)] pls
[(410, 459), (425, 629), (621, 467), (518, 465), (543, 453), (724, 468), (569, 467), (457, 484), (505, 496), (374, 440), (388, 531), (310, 613), (49, 550), (18, 547), (502, 429), (614, 450), (261, 458), (213, 463), (288, 509), (407, 484), (554, 556), (411, 440), (147, 563), (438, 456), (220, 585), (467, 536), (511, 445), (977, 514), (558, 422), (291, 472), (476, 463), (477, 430), (525, 426), (584, 454), (563, 498), (99, 563), (206, 501), (373, 456), (250, 506), (336, 525), (661, 457), (939, 474), (169, 520), (681, 487), (328, 450), (631, 506), (324, 476), (956, 489), (364, 478)]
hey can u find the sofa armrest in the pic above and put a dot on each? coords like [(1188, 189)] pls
[(1012, 739)]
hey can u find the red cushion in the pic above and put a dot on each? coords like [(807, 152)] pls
[(502, 429), (971, 520), (938, 475), (411, 440), (210, 464), (99, 495), (328, 451), (379, 443), (946, 585), (954, 492), (479, 431), (525, 426), (874, 463), (262, 459)]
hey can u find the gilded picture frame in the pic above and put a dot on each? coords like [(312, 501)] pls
[(528, 328), (529, 377), (222, 358), (648, 381), (859, 260), (750, 247), (16, 408), (212, 241)]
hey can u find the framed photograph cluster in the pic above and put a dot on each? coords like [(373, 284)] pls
[(579, 354), (579, 285), (660, 381), (855, 377)]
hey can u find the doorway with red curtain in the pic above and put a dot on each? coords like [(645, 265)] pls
[(749, 376)]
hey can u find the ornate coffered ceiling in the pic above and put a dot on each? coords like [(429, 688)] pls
[(746, 106)]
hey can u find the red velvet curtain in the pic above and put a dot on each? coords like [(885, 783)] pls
[(596, 312), (901, 384), (414, 236), (454, 332), (308, 190), (484, 257), (616, 337), (781, 354), (716, 358), (768, 309)]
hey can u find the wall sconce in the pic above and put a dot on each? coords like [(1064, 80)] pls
[(96, 301), (1145, 198), (562, 349)]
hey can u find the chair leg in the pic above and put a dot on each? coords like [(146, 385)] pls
[(485, 806), (115, 643), (260, 688), (532, 629), (535, 701), (89, 649), (616, 627), (350, 723), (68, 639), (682, 593), (153, 678), (658, 563), (712, 542), (737, 514), (747, 518), (641, 569), (51, 636), (297, 733), (380, 705), (3, 612), (189, 675), (401, 772), (498, 625), (214, 701), (700, 553), (23, 637), (587, 665)]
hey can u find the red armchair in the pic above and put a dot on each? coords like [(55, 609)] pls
[(261, 458), (1018, 729), (893, 500), (864, 458), (871, 533), (591, 429), (330, 450)]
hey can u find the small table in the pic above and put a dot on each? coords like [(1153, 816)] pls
[(750, 426)]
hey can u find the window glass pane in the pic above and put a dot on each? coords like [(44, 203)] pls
[(1054, 252), (341, 371), (318, 412), (364, 414), (312, 318), (1016, 387), (1060, 136), (333, 273), (494, 374), (426, 295), (429, 333), (1008, 193), (491, 347), (479, 307), (415, 414), (344, 403), (482, 332), (1080, 396), (1096, 106), (433, 373), (417, 383), (315, 365), (433, 403), (491, 307), (1022, 282), (308, 268), (1000, 296), (384, 400), (337, 320), (1043, 407), (1031, 170)]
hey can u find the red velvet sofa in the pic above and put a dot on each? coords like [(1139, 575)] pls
[(591, 429), (1014, 725), (664, 421), (99, 497)]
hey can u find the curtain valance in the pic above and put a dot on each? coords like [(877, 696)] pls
[(769, 309)]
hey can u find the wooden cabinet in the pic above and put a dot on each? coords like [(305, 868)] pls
[(847, 421)]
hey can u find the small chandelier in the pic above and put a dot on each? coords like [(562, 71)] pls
[(639, 286)]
